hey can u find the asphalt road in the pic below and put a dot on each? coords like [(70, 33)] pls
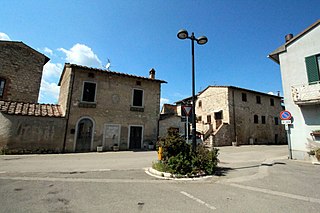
[(117, 182)]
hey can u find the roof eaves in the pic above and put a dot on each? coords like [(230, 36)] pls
[(46, 59), (115, 73), (283, 48)]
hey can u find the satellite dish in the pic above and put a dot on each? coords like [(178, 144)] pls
[(108, 65)]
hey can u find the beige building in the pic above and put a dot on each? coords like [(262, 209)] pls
[(227, 114), (105, 108), (171, 119)]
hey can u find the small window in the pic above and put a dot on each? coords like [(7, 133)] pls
[(258, 98), (138, 83), (276, 120), (218, 115), (255, 119), (263, 119), (209, 119), (199, 118), (89, 92), (271, 102), (200, 104), (137, 100), (2, 84), (244, 97)]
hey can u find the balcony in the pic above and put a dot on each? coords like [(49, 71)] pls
[(306, 94)]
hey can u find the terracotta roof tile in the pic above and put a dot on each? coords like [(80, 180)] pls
[(30, 109)]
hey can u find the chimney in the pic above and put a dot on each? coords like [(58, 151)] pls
[(152, 74), (288, 37)]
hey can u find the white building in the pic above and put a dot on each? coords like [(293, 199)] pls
[(299, 60)]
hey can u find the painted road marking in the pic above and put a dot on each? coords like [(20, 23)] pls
[(282, 194), (198, 200)]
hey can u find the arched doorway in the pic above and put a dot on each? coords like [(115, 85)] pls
[(84, 135)]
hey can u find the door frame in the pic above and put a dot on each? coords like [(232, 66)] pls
[(129, 132), (76, 132), (104, 130)]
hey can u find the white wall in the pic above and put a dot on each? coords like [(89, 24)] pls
[(293, 71)]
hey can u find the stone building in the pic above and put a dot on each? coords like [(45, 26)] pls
[(227, 114), (171, 119), (299, 60), (105, 108), (25, 125), (20, 72)]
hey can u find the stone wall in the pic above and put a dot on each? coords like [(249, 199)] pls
[(30, 134), (171, 121), (247, 131), (21, 67)]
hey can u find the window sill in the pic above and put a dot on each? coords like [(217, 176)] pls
[(87, 105), (137, 109)]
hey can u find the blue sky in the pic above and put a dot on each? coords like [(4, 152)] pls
[(137, 35)]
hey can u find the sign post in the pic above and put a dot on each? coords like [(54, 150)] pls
[(286, 119), (187, 110)]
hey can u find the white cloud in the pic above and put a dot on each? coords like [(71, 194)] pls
[(4, 36), (48, 50), (82, 55), (52, 70), (271, 93), (49, 92), (163, 101)]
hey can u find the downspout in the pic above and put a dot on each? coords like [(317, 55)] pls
[(68, 112), (234, 118)]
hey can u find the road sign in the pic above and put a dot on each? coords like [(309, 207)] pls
[(187, 109), (285, 115), (286, 122)]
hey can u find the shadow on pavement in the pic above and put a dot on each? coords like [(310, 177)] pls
[(223, 171)]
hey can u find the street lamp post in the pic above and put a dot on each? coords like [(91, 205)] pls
[(183, 34)]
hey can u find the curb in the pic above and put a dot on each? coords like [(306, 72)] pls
[(168, 176)]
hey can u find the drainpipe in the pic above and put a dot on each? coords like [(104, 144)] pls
[(68, 112)]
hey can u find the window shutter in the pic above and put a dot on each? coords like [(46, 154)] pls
[(312, 69)]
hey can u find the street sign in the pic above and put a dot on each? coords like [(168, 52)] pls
[(285, 115), (286, 122), (187, 109)]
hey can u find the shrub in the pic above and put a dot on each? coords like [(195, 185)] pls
[(205, 160), (179, 159)]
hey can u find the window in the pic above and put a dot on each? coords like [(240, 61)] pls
[(313, 68), (89, 92), (218, 115), (255, 119), (209, 119), (263, 119), (276, 120), (271, 102), (137, 100), (2, 83), (258, 98), (199, 118), (200, 104), (244, 97)]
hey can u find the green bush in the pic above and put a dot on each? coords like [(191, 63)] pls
[(178, 157)]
